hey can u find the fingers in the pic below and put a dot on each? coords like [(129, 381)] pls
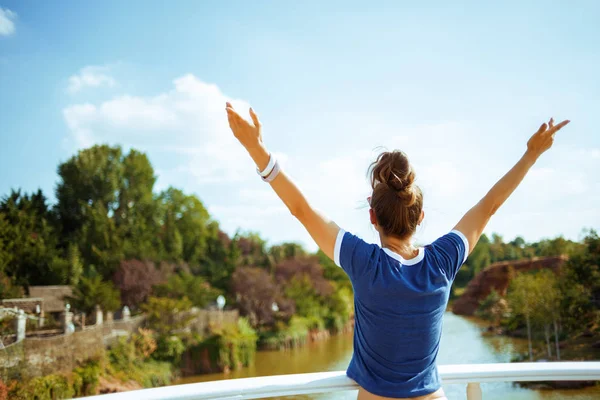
[(232, 116), (559, 126), (551, 123), (254, 118), (542, 128), (555, 128)]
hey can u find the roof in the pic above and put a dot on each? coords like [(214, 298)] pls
[(53, 296), (26, 304)]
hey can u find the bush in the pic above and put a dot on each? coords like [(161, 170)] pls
[(86, 378), (165, 315), (154, 374), (144, 343), (126, 361), (284, 336), (169, 348), (3, 390), (122, 355), (228, 348), (49, 387)]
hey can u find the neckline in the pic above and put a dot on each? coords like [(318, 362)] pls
[(415, 260)]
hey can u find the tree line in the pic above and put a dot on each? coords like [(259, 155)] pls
[(118, 242)]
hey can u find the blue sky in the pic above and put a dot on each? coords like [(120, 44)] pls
[(459, 87)]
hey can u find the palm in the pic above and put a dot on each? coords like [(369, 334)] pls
[(248, 134), (543, 139)]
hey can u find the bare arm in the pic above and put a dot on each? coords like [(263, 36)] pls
[(321, 229), (475, 220)]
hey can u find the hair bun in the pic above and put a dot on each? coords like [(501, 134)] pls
[(394, 170)]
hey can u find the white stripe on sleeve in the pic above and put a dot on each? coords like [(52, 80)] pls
[(337, 247), (465, 241)]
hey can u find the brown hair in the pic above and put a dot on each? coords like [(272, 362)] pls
[(396, 201)]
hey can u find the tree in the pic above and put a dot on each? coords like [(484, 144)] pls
[(92, 291), (219, 261), (187, 285), (493, 308), (135, 279), (106, 206), (304, 268), (284, 251), (580, 283), (88, 181), (136, 213), (256, 292), (547, 310), (99, 241), (165, 315), (332, 272), (252, 250), (521, 299), (186, 226), (28, 242)]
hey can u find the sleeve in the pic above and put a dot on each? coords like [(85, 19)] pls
[(451, 252), (354, 255)]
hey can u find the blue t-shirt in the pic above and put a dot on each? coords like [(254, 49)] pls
[(399, 306)]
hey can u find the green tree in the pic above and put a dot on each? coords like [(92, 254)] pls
[(522, 297), (193, 287), (136, 213), (547, 306), (493, 308), (92, 291), (166, 315), (580, 283), (186, 226), (88, 181), (332, 272), (28, 240), (252, 250), (220, 258)]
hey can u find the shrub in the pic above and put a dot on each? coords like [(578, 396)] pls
[(155, 373), (86, 378), (49, 387), (122, 355), (144, 343), (3, 390), (169, 348)]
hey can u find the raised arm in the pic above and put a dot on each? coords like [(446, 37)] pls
[(475, 220), (322, 230)]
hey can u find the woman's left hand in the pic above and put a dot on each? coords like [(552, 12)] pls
[(249, 135)]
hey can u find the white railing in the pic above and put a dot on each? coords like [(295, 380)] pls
[(324, 382)]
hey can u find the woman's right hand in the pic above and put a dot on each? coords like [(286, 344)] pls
[(543, 139)]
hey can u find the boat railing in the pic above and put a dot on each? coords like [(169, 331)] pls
[(325, 382)]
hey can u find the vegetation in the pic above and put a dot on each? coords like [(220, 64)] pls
[(550, 306)]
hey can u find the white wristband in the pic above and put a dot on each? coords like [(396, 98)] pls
[(273, 173), (264, 173)]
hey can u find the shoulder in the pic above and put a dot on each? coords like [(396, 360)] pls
[(353, 254)]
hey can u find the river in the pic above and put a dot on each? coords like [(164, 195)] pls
[(462, 343)]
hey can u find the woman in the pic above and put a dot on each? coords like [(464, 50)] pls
[(400, 291)]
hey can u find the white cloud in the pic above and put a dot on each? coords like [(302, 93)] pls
[(90, 76), (188, 121), (7, 22)]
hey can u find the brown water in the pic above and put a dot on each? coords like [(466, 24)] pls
[(462, 343)]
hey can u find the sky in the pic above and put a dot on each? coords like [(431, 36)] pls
[(459, 87)]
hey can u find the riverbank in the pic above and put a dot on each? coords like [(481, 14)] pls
[(583, 347)]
